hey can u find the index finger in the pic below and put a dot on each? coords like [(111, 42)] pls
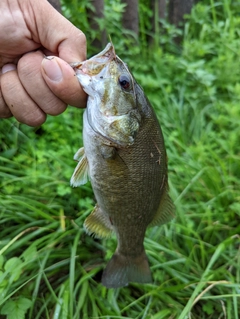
[(53, 31)]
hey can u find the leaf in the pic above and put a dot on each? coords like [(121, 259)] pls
[(63, 189), (3, 282), (30, 253), (16, 308), (1, 261), (12, 266), (208, 308)]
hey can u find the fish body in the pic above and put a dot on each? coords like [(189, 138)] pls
[(125, 159)]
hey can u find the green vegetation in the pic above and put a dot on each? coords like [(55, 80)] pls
[(49, 268)]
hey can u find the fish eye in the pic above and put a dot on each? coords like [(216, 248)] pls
[(125, 81)]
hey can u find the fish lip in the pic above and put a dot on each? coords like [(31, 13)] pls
[(106, 55), (108, 52)]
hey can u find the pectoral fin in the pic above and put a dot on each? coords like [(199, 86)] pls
[(80, 153), (165, 211), (98, 223), (80, 175)]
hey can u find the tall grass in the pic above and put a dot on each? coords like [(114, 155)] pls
[(49, 268)]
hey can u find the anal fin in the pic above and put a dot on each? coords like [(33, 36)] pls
[(98, 223)]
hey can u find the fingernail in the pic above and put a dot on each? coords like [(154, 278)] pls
[(8, 67), (52, 69)]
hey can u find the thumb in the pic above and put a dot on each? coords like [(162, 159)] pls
[(62, 81)]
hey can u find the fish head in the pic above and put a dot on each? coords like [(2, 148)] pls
[(112, 108)]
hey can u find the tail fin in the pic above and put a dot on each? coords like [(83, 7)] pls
[(124, 269)]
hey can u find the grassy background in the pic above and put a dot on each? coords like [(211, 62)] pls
[(49, 268)]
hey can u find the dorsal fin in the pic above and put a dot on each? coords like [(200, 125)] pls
[(165, 211)]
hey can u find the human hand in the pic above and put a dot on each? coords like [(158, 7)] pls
[(32, 86)]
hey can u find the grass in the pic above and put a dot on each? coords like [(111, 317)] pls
[(49, 267)]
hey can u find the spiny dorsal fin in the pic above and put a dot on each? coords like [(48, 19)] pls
[(165, 211), (98, 223), (80, 175)]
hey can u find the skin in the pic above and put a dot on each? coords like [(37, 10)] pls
[(32, 86)]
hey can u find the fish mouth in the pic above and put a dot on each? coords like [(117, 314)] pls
[(95, 64), (107, 53)]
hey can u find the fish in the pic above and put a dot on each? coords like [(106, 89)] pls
[(124, 157)]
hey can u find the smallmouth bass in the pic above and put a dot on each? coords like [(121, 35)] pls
[(124, 157)]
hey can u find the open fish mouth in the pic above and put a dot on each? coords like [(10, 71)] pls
[(94, 65)]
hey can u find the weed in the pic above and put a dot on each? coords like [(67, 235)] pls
[(49, 267)]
